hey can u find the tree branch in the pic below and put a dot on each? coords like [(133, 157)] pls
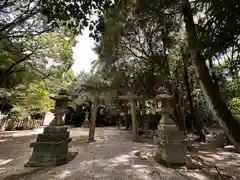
[(23, 17), (44, 75), (19, 61), (25, 35)]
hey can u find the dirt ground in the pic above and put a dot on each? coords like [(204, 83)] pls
[(111, 157)]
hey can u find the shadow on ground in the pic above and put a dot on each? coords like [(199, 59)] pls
[(112, 156)]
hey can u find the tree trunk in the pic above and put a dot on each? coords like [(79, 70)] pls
[(134, 120), (177, 113), (93, 118), (213, 74), (209, 88), (199, 123), (187, 85)]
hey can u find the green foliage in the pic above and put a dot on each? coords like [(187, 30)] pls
[(75, 14), (27, 47), (29, 98), (235, 105), (39, 57), (60, 80), (45, 71), (218, 27), (231, 93), (35, 56), (52, 47), (33, 96), (19, 111)]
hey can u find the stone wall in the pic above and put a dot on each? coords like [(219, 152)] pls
[(11, 124)]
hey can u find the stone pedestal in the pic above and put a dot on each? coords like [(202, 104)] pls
[(86, 122), (172, 143), (146, 126), (51, 147)]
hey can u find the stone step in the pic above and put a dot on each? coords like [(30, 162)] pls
[(50, 143), (55, 129), (49, 150), (52, 137), (46, 162)]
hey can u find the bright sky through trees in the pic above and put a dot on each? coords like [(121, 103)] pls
[(83, 54)]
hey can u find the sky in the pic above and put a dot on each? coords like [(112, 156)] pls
[(83, 54)]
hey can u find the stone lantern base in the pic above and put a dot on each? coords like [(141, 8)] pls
[(172, 144), (51, 148), (85, 123)]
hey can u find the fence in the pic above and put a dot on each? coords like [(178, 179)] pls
[(10, 124)]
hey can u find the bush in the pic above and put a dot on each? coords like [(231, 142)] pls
[(234, 105)]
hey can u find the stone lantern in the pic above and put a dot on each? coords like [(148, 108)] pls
[(51, 147), (86, 121), (60, 109), (172, 147)]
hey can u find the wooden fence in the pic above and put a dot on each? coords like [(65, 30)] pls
[(11, 124)]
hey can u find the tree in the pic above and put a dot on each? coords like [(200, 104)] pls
[(75, 14), (209, 88), (35, 59), (22, 18), (27, 99), (226, 23), (88, 87), (42, 71), (25, 42)]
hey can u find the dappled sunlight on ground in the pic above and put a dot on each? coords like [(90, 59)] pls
[(5, 161), (2, 140), (2, 170), (63, 175), (27, 133), (22, 133), (111, 157), (128, 166), (107, 161), (217, 162), (2, 163), (197, 176)]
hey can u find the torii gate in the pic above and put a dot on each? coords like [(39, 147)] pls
[(131, 97)]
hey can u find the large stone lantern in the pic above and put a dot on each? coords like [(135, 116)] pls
[(51, 147), (172, 147)]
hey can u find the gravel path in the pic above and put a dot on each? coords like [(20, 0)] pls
[(111, 157)]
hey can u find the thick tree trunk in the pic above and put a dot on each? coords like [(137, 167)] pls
[(93, 119), (209, 88), (199, 123), (134, 120), (187, 85)]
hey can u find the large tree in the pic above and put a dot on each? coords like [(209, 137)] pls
[(27, 45)]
